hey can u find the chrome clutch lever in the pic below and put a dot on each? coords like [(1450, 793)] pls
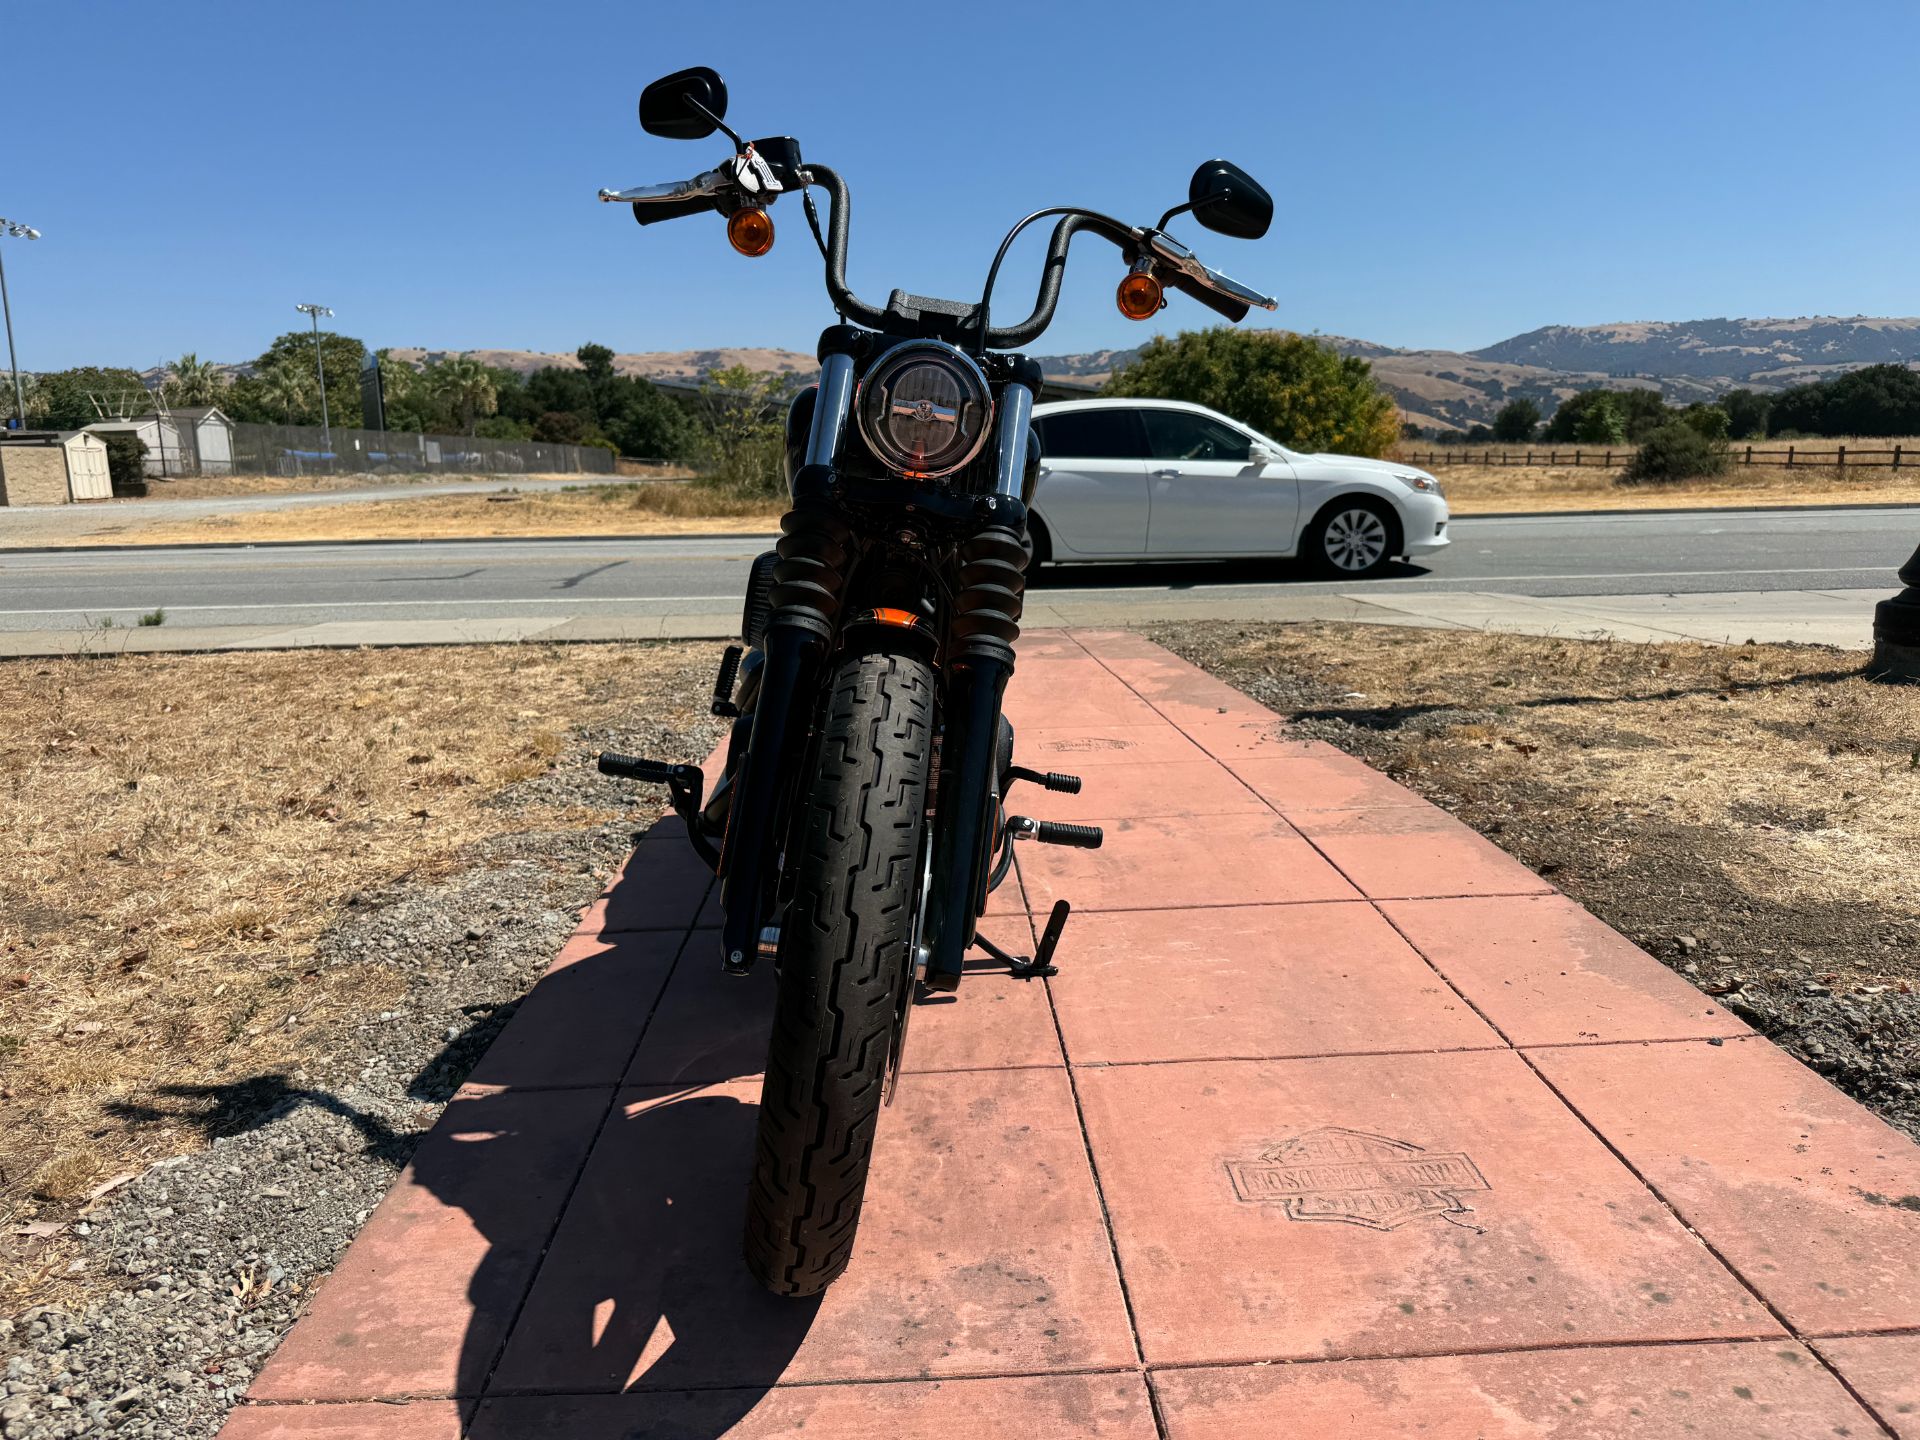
[(709, 183), (1169, 251)]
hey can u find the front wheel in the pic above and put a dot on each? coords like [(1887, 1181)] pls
[(1352, 539), (845, 966)]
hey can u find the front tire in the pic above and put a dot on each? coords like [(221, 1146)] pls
[(1353, 539), (844, 965)]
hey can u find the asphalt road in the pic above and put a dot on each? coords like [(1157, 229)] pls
[(1702, 552)]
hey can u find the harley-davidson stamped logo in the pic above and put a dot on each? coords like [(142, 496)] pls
[(1353, 1178)]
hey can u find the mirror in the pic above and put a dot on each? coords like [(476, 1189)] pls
[(1227, 199), (686, 105)]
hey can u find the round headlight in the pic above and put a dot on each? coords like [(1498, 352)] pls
[(924, 408)]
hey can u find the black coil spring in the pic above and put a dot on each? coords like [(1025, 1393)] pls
[(993, 584)]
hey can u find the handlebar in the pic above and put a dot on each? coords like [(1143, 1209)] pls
[(1178, 265)]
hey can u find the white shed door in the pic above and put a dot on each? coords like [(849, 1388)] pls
[(87, 477)]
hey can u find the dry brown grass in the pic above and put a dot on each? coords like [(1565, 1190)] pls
[(1482, 490), (1509, 484), (215, 487), (646, 509), (1765, 785), (179, 830)]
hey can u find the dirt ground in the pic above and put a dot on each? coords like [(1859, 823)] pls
[(1750, 814), (182, 830)]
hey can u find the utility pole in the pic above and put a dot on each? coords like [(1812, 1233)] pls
[(313, 313), (18, 232)]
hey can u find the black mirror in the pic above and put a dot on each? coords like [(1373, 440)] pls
[(1227, 199), (686, 105)]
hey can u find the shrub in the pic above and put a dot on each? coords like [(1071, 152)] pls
[(126, 463), (1676, 451)]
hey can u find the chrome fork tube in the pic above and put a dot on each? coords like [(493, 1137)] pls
[(1010, 441), (831, 409)]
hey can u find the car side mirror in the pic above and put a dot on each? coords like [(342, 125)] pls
[(1226, 199), (686, 105), (1263, 454)]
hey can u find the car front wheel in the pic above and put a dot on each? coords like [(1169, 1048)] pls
[(1352, 539)]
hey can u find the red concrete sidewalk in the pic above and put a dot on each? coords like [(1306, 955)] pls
[(1326, 1079)]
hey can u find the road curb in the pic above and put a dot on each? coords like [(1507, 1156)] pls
[(1681, 510), (7, 550)]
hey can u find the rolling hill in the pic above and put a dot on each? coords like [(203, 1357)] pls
[(1446, 389)]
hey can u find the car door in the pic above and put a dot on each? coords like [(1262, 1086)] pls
[(1092, 495), (1208, 494)]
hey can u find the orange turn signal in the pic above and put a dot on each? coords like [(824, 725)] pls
[(1138, 295), (750, 231), (887, 615)]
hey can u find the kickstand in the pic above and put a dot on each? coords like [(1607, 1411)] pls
[(1041, 965)]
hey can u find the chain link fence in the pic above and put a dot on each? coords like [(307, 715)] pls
[(304, 450)]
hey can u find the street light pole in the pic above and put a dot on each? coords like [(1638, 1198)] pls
[(20, 232), (313, 313)]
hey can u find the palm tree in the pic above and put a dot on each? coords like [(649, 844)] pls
[(285, 389), (193, 381), (466, 387)]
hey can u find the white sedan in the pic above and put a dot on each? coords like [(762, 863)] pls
[(1165, 480)]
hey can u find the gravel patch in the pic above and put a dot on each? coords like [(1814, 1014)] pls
[(203, 1263)]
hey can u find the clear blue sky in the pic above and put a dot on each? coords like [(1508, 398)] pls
[(1446, 174)]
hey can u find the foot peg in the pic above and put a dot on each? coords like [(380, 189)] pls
[(1051, 780), (1041, 965), (684, 782), (723, 705), (1056, 832)]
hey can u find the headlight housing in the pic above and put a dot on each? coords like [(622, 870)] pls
[(925, 408), (1425, 484)]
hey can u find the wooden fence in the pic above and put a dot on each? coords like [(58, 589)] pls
[(1792, 457)]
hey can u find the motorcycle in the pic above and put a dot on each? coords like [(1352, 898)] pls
[(860, 822)]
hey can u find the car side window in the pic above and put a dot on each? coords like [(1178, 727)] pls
[(1182, 435), (1091, 435)]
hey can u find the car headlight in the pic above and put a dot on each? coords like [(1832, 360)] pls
[(1425, 484), (925, 408)]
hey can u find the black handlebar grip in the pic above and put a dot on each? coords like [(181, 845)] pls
[(1058, 832), (1234, 310)]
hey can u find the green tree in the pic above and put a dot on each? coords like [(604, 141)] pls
[(193, 381), (465, 387), (1516, 421), (1746, 413), (290, 394), (1710, 420), (343, 356), (1678, 450), (1641, 412), (741, 435), (66, 399), (1874, 400), (1600, 424), (1294, 388)]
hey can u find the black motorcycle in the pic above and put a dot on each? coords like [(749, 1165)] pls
[(861, 820)]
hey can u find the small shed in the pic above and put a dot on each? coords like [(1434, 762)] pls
[(212, 435), (197, 440), (169, 443), (52, 467)]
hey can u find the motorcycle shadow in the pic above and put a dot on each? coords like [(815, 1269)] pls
[(641, 1286)]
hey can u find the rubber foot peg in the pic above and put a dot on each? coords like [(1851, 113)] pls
[(1080, 837)]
